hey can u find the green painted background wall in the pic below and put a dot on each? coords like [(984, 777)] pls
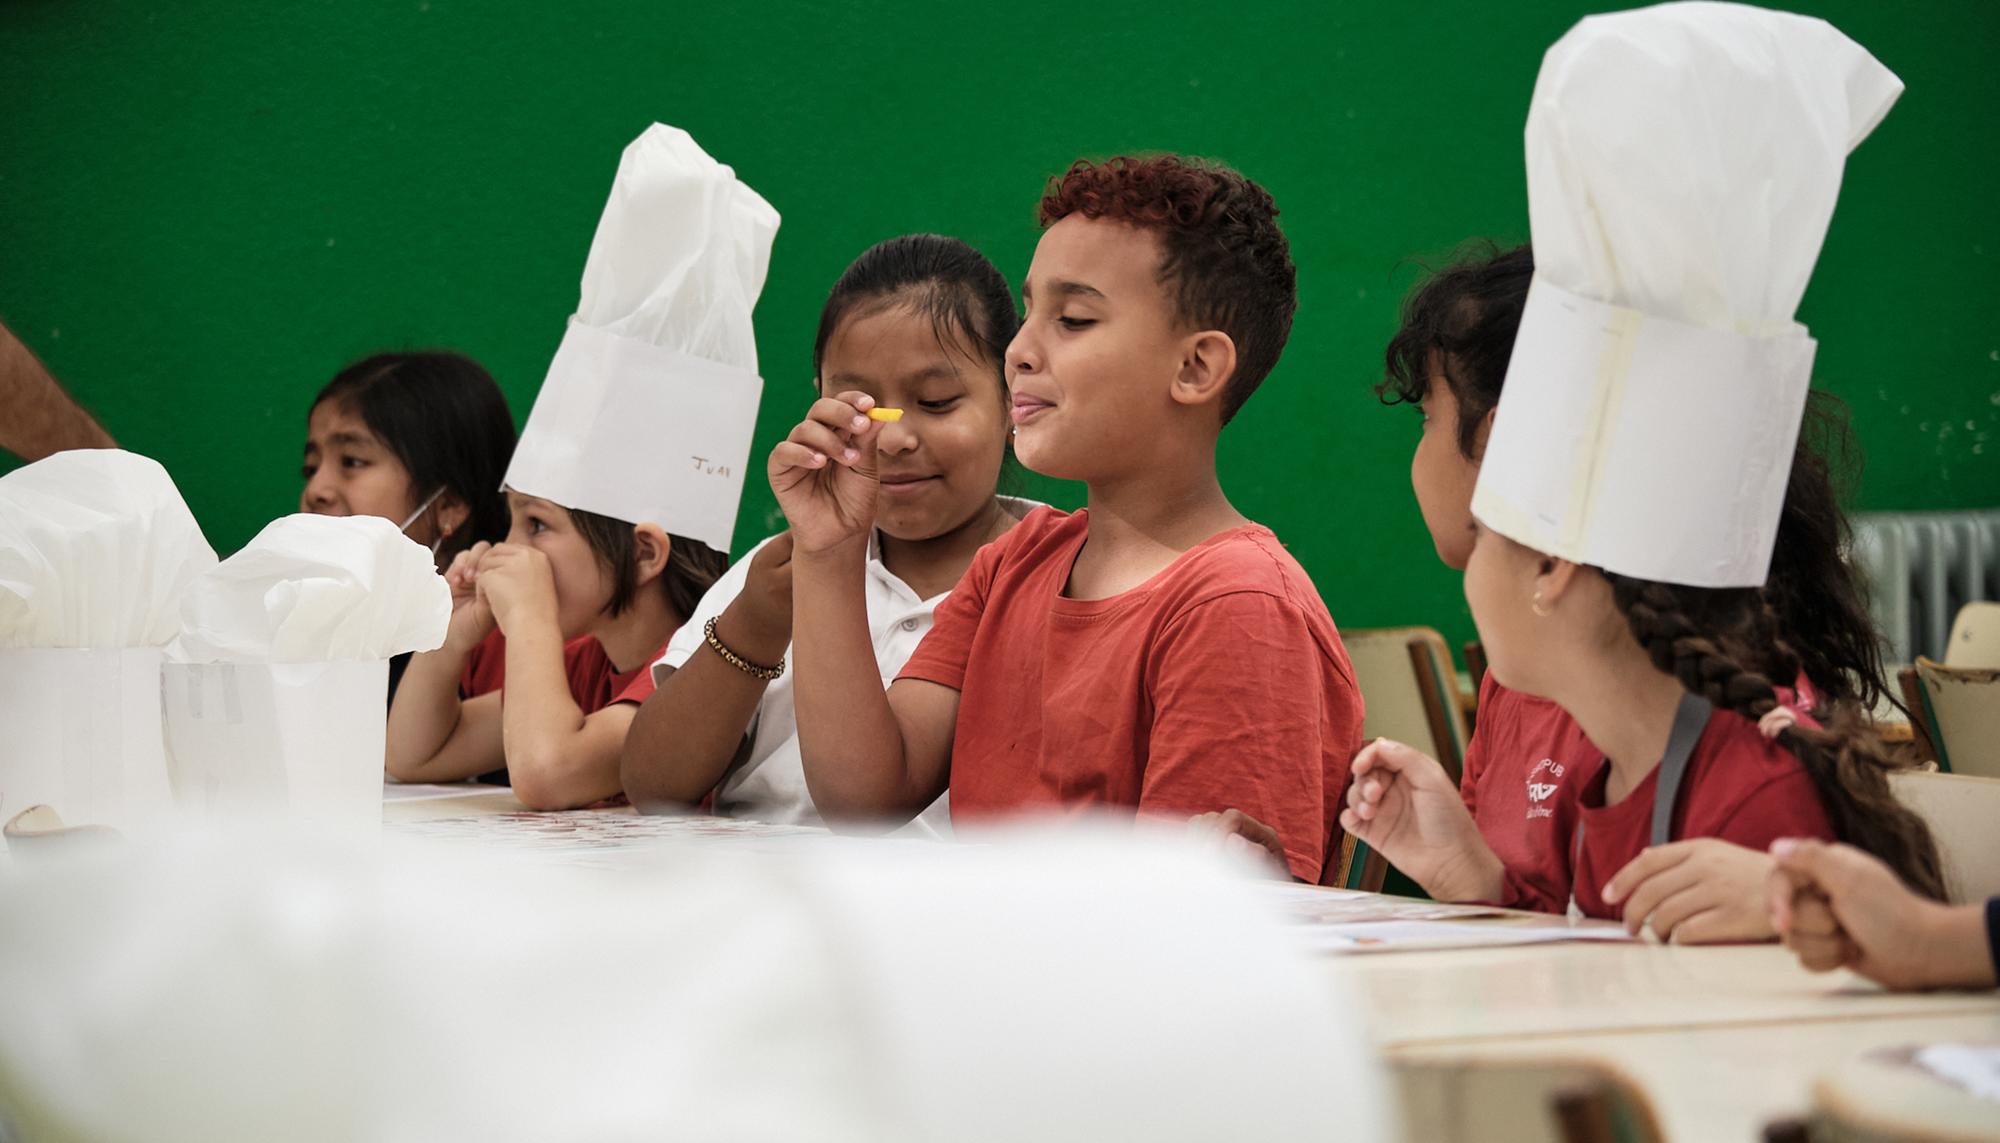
[(207, 208)]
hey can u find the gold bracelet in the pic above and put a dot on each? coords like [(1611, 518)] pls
[(736, 660)]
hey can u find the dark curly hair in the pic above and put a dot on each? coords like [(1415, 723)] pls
[(1465, 317), (1701, 635), (1223, 259)]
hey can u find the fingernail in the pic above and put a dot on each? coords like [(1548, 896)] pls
[(1611, 894), (858, 423), (848, 455), (818, 459), (1784, 847)]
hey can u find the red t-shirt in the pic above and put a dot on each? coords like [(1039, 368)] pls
[(1220, 682), (593, 682), (1525, 770), (1739, 786)]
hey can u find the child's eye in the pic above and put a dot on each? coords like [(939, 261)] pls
[(536, 527), (938, 406), (306, 471), (353, 462), (1076, 323)]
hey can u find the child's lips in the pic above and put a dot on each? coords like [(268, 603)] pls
[(904, 483), (1027, 408)]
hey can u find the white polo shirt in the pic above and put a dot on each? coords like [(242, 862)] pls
[(770, 784)]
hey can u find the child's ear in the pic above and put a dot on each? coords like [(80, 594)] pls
[(651, 548), (1208, 362), (452, 513), (1481, 434), (1555, 577)]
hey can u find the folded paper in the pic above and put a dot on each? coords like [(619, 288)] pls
[(316, 588), (1683, 163), (649, 406), (96, 549)]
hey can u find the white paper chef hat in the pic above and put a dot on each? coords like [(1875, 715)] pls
[(651, 401), (1683, 162)]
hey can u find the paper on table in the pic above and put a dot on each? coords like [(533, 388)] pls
[(1318, 905), (1974, 1067), (422, 791), (1388, 936)]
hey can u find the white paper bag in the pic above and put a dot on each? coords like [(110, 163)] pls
[(80, 733), (297, 740)]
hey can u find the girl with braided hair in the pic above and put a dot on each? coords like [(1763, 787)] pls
[(1655, 676), (1529, 762), (1533, 773)]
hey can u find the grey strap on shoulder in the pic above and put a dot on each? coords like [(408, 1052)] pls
[(1690, 719)]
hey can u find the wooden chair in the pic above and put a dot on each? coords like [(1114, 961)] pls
[(1975, 637), (1526, 1101), (1358, 866), (1961, 709), (1411, 691), (1961, 811)]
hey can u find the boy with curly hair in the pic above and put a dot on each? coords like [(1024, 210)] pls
[(1155, 652)]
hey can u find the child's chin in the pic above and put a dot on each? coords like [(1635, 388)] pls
[(1044, 456)]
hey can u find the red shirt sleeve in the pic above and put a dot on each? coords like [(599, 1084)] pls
[(1475, 750), (946, 648), (1241, 719)]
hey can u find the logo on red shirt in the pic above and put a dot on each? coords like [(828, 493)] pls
[(1540, 792)]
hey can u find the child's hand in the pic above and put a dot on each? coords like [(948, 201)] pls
[(1702, 891), (1837, 906), (1403, 804), (757, 624), (471, 617), (1234, 831), (516, 583), (825, 474)]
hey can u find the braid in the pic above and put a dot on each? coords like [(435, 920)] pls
[(1703, 636)]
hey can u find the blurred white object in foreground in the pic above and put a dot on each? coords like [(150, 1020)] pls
[(97, 550), (274, 695), (267, 987)]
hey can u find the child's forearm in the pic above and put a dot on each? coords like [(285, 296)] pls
[(424, 713), (849, 739), (1959, 953), (540, 720), (687, 733)]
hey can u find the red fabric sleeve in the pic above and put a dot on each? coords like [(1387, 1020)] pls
[(1241, 719), (1475, 750), (946, 648)]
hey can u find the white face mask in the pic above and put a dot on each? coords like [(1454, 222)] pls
[(421, 509)]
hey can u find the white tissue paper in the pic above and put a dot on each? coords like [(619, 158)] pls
[(650, 404), (1683, 164), (275, 694), (96, 550), (1099, 988), (312, 588)]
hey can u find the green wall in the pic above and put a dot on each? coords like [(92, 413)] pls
[(205, 209)]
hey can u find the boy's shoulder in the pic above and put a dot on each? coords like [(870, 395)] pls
[(1247, 558), (1038, 535)]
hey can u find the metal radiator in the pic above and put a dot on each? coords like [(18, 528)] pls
[(1921, 567)]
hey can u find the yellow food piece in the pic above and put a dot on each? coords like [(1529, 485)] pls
[(881, 414)]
